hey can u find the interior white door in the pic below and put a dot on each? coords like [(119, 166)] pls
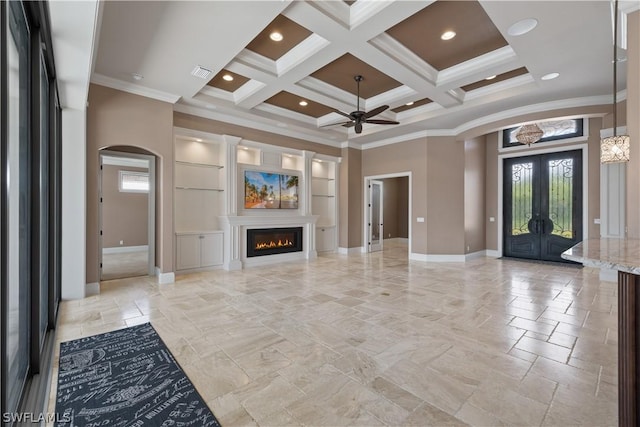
[(375, 215)]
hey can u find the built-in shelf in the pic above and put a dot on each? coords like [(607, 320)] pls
[(199, 189), (203, 165), (324, 204)]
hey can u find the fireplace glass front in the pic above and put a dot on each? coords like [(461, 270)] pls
[(272, 241)]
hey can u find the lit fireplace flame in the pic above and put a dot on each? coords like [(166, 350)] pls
[(272, 244)]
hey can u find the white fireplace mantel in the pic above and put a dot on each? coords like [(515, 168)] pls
[(235, 230)]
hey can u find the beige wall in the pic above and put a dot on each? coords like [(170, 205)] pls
[(350, 199), (187, 121), (116, 118), (593, 178), (411, 157), (474, 194), (396, 207), (491, 191), (125, 215), (445, 196), (633, 124)]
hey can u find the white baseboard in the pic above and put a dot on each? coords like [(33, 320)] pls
[(125, 249), (347, 251), (165, 278), (396, 239), (608, 275), (475, 255), (446, 258), (233, 265), (417, 257), (492, 253), (92, 289)]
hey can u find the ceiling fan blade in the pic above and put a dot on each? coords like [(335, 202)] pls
[(343, 114), (375, 111), (382, 122), (335, 124), (359, 127)]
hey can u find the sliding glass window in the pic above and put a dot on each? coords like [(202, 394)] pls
[(16, 200), (41, 190)]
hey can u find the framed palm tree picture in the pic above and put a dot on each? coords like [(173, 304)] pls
[(268, 190)]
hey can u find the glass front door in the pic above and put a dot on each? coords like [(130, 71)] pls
[(542, 205)]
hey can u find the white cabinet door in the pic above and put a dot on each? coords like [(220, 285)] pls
[(325, 239), (188, 251), (211, 249)]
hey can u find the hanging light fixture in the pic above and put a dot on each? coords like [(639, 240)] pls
[(615, 149), (528, 134)]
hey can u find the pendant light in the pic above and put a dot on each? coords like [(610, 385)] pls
[(528, 134), (615, 149)]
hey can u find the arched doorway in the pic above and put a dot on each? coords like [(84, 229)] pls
[(126, 213)]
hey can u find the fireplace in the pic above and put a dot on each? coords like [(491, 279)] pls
[(271, 241)]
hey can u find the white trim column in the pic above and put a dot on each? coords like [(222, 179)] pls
[(231, 165), (232, 241), (74, 202)]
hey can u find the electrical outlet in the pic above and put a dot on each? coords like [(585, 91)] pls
[(389, 234), (121, 242)]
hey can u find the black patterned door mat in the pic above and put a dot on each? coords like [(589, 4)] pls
[(126, 378)]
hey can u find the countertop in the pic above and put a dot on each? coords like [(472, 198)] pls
[(614, 254)]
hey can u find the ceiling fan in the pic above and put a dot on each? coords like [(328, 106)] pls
[(358, 117)]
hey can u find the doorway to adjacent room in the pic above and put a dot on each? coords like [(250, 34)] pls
[(127, 215), (387, 208)]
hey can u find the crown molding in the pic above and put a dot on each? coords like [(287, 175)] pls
[(135, 89), (534, 108), (252, 123)]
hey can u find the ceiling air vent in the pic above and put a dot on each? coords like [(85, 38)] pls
[(201, 72)]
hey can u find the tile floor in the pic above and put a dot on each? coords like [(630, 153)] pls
[(378, 340), (127, 264)]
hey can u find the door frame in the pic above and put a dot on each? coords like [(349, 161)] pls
[(585, 185), (365, 206), (151, 208), (380, 245)]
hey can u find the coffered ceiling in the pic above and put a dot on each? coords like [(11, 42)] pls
[(294, 86)]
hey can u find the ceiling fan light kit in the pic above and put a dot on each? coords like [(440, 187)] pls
[(358, 117)]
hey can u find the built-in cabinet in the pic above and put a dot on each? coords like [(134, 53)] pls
[(324, 203), (199, 250), (198, 203), (210, 218)]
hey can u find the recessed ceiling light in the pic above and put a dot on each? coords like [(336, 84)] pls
[(198, 140), (303, 103), (409, 103), (448, 35), (243, 147), (227, 77), (276, 36), (522, 27), (491, 77), (550, 76), (137, 76)]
